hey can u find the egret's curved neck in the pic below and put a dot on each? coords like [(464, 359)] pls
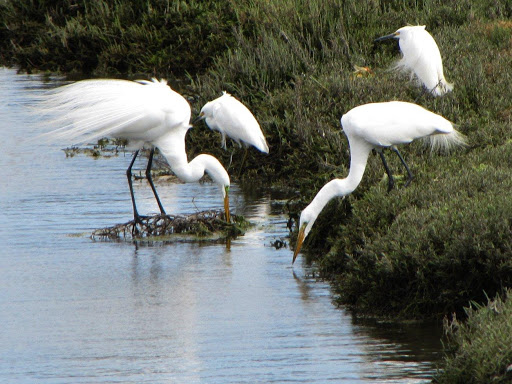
[(342, 187), (194, 170), (172, 146)]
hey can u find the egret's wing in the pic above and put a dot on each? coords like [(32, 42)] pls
[(239, 123), (216, 110), (393, 123), (91, 109), (435, 80)]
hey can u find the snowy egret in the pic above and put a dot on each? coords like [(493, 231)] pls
[(140, 112), (231, 118), (378, 125), (421, 56)]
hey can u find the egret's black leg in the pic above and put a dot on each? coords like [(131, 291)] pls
[(136, 216), (231, 157), (391, 181), (425, 90), (150, 180), (431, 91), (243, 161), (409, 173)]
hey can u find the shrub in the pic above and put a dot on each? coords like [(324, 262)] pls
[(117, 37), (478, 350)]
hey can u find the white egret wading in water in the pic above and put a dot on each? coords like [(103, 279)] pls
[(142, 112), (377, 126), (421, 57), (233, 119)]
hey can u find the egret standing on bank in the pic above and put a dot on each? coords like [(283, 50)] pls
[(142, 112), (378, 125), (421, 56), (233, 119)]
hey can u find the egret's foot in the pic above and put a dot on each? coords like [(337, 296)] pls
[(391, 184), (138, 223), (411, 177)]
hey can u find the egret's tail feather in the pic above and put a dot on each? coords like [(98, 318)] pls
[(444, 142), (263, 146), (92, 109), (84, 125)]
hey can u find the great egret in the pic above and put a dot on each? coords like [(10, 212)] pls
[(140, 112), (421, 56), (378, 125), (231, 118)]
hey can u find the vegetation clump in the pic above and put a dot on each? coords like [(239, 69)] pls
[(103, 148), (200, 226)]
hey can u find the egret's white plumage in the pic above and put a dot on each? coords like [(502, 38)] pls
[(143, 112), (421, 57), (378, 125), (233, 119)]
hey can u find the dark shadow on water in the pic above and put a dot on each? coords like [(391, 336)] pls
[(414, 341)]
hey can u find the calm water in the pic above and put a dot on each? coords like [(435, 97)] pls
[(77, 311)]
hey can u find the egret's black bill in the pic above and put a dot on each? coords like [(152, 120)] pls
[(387, 37), (198, 118)]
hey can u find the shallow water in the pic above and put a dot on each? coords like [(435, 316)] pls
[(78, 311)]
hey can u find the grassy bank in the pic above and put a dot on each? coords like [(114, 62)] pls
[(418, 252)]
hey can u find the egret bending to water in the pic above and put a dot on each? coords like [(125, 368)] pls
[(421, 56), (140, 112), (378, 125)]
